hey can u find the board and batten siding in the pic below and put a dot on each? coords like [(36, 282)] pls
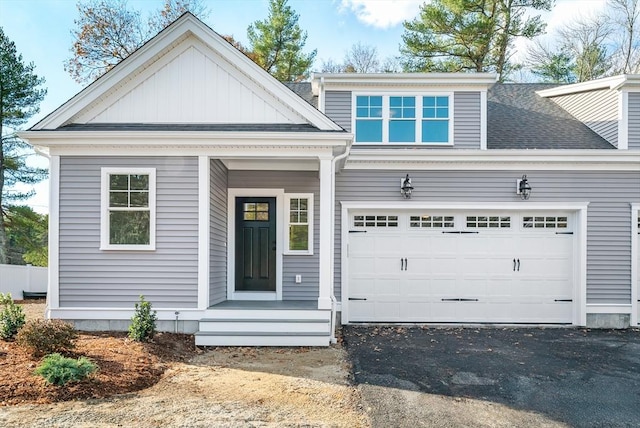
[(634, 120), (167, 277), (466, 111), (218, 233), (596, 109), (292, 265), (608, 226)]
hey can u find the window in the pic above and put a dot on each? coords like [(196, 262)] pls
[(431, 221), (491, 222), (299, 217), (403, 119), (128, 209), (545, 222), (375, 221)]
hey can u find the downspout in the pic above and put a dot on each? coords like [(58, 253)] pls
[(334, 301)]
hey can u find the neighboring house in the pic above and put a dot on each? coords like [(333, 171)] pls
[(189, 175)]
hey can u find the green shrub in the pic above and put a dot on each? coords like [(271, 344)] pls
[(143, 322), (58, 370), (11, 317), (43, 337)]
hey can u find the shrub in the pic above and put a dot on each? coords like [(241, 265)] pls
[(58, 370), (11, 317), (143, 322), (43, 337)]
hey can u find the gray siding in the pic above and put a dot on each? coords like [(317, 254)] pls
[(596, 109), (218, 233), (634, 120), (338, 107), (466, 110), (305, 265), (466, 120), (608, 220), (167, 277)]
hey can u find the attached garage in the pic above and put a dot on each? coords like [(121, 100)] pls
[(460, 266)]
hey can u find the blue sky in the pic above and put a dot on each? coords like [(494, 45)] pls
[(41, 30)]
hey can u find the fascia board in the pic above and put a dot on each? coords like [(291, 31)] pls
[(186, 25), (614, 82)]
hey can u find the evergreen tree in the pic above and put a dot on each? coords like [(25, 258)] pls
[(277, 44), (20, 97)]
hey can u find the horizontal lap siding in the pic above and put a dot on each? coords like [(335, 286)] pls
[(338, 107), (634, 120), (218, 233), (466, 122), (307, 266), (92, 278), (609, 212), (596, 109)]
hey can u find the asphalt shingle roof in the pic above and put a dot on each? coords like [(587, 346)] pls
[(520, 119)]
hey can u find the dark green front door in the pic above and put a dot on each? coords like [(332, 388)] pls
[(255, 244)]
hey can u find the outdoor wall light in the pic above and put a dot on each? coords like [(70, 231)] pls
[(405, 187), (523, 188)]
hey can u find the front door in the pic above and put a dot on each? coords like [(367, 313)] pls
[(255, 244)]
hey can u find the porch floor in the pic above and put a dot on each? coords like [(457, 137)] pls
[(266, 304)]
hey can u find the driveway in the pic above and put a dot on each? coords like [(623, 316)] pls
[(494, 377)]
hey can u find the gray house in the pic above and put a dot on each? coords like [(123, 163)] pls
[(255, 213)]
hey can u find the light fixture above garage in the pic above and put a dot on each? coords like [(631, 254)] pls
[(405, 187), (523, 188)]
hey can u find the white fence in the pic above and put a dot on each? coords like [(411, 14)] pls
[(15, 279)]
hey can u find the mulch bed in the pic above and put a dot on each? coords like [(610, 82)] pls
[(123, 366)]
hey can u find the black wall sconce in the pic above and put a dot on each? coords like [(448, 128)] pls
[(523, 188), (405, 187)]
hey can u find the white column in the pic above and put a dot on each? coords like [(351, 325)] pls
[(203, 231), (326, 217)]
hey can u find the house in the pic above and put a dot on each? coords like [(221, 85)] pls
[(256, 213)]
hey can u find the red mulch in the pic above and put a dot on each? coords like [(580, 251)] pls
[(123, 366)]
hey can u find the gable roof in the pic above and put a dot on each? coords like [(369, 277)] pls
[(518, 118), (187, 39)]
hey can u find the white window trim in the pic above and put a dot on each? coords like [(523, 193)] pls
[(310, 220), (104, 209), (418, 119)]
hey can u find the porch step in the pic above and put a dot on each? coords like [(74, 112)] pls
[(233, 325), (257, 314), (248, 338)]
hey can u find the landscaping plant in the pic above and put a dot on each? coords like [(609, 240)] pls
[(59, 370), (143, 322), (43, 337), (11, 317)]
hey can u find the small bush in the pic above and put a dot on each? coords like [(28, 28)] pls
[(11, 317), (43, 337), (58, 370), (143, 322)]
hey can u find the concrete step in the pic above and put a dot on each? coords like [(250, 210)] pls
[(265, 314), (261, 339)]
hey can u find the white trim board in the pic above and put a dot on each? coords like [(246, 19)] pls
[(204, 236), (53, 288), (635, 267), (580, 242), (232, 194)]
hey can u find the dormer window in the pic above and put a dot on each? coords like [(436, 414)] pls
[(403, 119)]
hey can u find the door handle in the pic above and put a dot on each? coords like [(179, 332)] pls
[(406, 264), (518, 265), (401, 264), (514, 265)]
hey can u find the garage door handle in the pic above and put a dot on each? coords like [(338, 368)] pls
[(563, 300), (514, 265), (459, 300), (357, 298), (406, 264), (357, 231), (564, 233), (518, 265), (460, 232)]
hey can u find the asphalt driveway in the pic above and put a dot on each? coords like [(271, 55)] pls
[(439, 377)]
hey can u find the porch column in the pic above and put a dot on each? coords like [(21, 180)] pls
[(204, 204), (326, 217)]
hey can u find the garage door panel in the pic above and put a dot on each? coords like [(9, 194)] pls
[(419, 274)]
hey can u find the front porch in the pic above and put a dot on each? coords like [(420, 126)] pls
[(265, 323)]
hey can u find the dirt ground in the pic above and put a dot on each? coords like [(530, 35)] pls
[(227, 387)]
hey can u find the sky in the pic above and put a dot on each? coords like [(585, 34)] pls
[(41, 30)]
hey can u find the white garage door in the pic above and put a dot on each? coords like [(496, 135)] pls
[(460, 267)]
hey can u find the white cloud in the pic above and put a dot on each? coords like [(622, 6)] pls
[(382, 13)]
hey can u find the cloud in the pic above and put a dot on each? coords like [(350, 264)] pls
[(382, 13)]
